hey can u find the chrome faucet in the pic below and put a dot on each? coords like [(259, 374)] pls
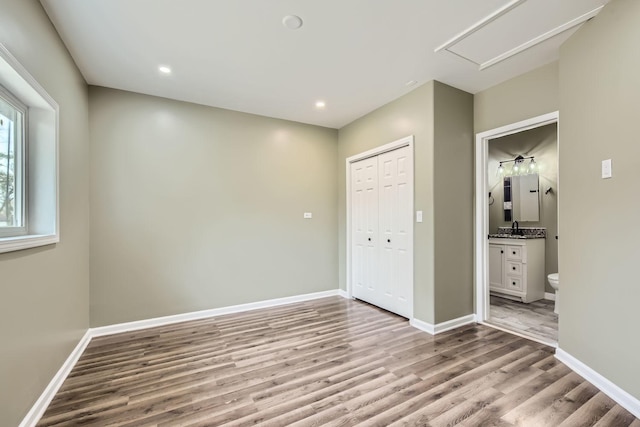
[(515, 228)]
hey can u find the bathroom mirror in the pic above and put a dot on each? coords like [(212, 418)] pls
[(521, 198)]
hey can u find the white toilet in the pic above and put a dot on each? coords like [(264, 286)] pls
[(554, 281)]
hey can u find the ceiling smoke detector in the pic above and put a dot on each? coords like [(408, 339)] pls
[(292, 22)]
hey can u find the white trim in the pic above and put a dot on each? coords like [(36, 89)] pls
[(423, 326), (42, 132), (38, 408), (481, 223), (623, 398), (518, 49), (551, 296), (17, 243), (407, 141), (541, 38), (454, 323), (203, 314), (343, 293), (544, 341), (478, 25), (439, 328)]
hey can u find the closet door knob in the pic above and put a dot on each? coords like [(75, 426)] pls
[(369, 238), (388, 240)]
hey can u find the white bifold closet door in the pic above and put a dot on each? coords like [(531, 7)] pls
[(381, 215)]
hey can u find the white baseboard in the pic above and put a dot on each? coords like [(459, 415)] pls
[(38, 408), (551, 296), (203, 314), (439, 328), (423, 326), (623, 398), (454, 323), (343, 294)]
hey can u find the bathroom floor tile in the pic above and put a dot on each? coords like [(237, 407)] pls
[(536, 318)]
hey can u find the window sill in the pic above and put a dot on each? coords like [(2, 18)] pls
[(18, 243)]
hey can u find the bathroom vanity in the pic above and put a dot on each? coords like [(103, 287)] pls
[(516, 268)]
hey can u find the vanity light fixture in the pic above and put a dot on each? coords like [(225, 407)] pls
[(518, 166)]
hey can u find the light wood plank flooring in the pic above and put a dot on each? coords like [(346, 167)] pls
[(536, 318), (329, 362)]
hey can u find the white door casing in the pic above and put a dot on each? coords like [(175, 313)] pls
[(481, 249)]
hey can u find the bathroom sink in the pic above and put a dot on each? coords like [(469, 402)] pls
[(508, 236)]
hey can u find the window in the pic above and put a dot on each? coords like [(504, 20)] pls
[(12, 182), (28, 159)]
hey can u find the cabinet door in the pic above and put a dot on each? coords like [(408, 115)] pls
[(496, 266)]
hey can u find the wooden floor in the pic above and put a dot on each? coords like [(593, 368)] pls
[(536, 318), (329, 362)]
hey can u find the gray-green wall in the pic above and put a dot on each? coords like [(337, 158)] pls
[(441, 119), (196, 207), (44, 292), (541, 142), (599, 232), (528, 95), (453, 202), (412, 114)]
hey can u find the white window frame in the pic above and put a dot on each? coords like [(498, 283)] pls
[(40, 157), (20, 162)]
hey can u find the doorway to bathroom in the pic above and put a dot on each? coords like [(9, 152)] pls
[(516, 246)]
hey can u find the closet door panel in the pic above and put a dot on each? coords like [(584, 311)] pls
[(395, 216), (388, 212), (364, 217)]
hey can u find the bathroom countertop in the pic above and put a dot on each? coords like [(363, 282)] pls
[(509, 236), (522, 233)]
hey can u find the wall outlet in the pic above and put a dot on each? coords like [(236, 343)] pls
[(418, 216), (606, 169), (308, 215)]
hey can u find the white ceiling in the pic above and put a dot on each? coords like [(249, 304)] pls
[(356, 55)]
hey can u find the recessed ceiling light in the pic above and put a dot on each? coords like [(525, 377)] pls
[(411, 83), (292, 22), (320, 105), (164, 69)]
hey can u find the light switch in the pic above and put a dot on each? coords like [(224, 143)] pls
[(418, 216), (308, 215), (606, 168)]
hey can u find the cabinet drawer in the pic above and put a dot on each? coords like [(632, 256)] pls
[(514, 268), (514, 283), (514, 252)]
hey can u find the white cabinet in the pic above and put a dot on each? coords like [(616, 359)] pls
[(516, 268)]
